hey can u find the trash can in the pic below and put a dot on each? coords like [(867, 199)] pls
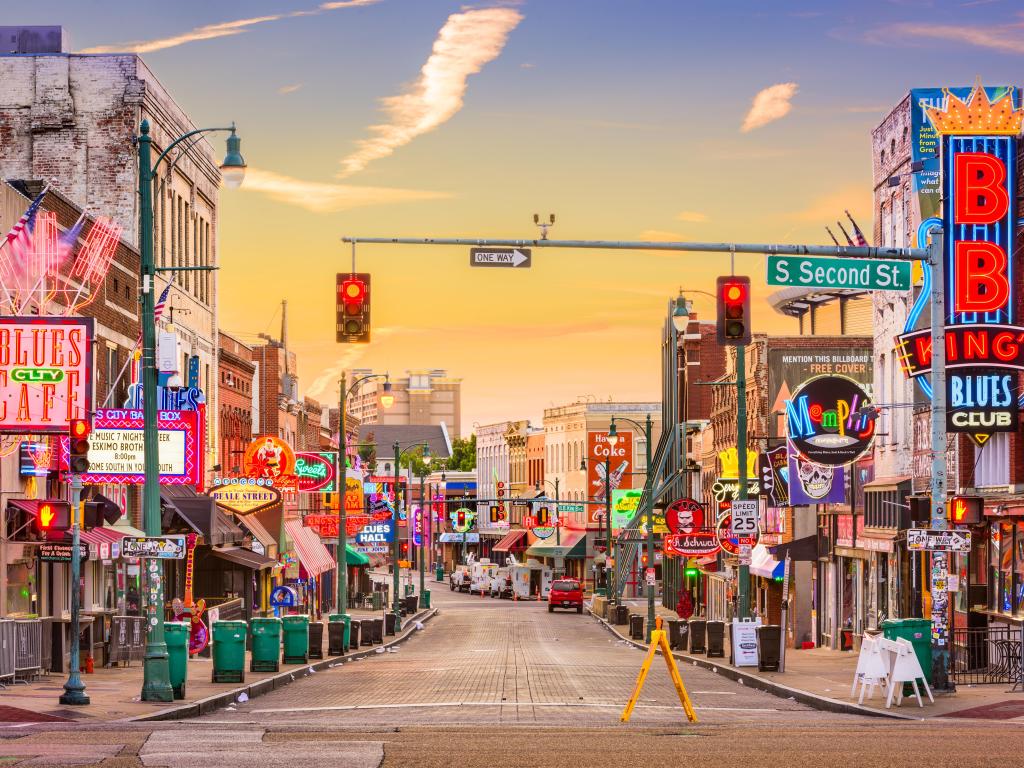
[(176, 634), (698, 632), (424, 599), (676, 640), (636, 627), (716, 639), (266, 643), (621, 615), (353, 634), (377, 627), (316, 640), (338, 634), (919, 633), (367, 632), (439, 573), (377, 601), (229, 651), (769, 642), (390, 623), (296, 639), (410, 604)]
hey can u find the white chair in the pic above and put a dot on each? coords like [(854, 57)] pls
[(872, 669), (904, 668)]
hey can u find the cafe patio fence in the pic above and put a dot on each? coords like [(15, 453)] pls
[(986, 655)]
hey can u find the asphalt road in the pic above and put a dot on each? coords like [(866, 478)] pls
[(490, 683)]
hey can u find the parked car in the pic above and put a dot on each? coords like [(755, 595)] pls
[(459, 579), (565, 593)]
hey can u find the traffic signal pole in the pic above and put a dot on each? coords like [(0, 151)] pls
[(743, 577), (74, 688)]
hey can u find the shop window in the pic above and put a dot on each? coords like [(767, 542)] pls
[(993, 462)]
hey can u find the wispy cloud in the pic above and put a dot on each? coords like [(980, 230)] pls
[(286, 89), (661, 236), (769, 105), (320, 197), (1005, 38), (693, 217), (467, 41), (221, 29)]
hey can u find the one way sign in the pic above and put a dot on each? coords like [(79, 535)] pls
[(499, 257)]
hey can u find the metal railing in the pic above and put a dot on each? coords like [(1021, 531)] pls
[(127, 639), (7, 652), (28, 639), (987, 655)]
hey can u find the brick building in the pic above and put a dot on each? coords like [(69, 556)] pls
[(426, 396), (236, 373)]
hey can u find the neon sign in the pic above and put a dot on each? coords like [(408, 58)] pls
[(45, 373), (315, 472), (824, 422)]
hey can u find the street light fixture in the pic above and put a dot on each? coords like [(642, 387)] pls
[(156, 684), (613, 434), (387, 398), (680, 315)]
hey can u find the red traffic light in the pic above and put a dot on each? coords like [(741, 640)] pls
[(733, 294), (79, 428), (460, 516), (353, 290)]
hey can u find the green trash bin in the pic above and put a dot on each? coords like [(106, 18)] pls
[(266, 644), (338, 643), (425, 598), (439, 573), (229, 651), (296, 639), (919, 633), (176, 634)]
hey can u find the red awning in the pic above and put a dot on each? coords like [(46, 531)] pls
[(97, 536), (312, 553), (512, 540)]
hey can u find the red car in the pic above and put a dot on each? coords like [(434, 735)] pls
[(565, 593)]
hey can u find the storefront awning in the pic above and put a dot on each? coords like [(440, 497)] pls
[(353, 557), (880, 484), (571, 544), (799, 550), (252, 524), (97, 536), (243, 557), (513, 540), (198, 513), (311, 551), (763, 564)]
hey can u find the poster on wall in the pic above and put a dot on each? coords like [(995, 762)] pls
[(620, 465), (46, 373)]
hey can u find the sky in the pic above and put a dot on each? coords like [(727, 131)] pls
[(628, 119)]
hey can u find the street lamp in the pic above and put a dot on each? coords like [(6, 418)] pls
[(424, 594), (396, 605), (156, 685), (342, 475), (681, 314), (647, 427), (607, 525)]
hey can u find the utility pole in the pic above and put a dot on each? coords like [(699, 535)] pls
[(74, 688), (342, 479), (743, 585)]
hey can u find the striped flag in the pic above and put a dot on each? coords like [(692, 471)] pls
[(158, 310), (19, 239), (857, 234)]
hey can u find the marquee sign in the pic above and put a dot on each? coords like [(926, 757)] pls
[(984, 348), (245, 499), (699, 543), (117, 451), (823, 423), (45, 373)]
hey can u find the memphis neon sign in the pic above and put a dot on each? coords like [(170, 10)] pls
[(825, 422)]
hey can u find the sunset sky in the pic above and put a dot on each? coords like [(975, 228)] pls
[(628, 119)]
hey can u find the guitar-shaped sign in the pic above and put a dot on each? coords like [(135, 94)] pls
[(187, 610)]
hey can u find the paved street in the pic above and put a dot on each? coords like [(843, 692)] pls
[(494, 661)]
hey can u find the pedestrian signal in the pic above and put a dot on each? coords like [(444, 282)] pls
[(53, 516)]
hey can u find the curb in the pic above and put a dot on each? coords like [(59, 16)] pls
[(757, 683), (281, 679)]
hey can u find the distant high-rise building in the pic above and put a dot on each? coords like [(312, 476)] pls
[(424, 396)]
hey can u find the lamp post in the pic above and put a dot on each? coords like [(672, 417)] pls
[(424, 514), (156, 684), (396, 605), (613, 438), (386, 400)]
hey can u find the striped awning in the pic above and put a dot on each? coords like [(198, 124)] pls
[(512, 541), (97, 536), (311, 552)]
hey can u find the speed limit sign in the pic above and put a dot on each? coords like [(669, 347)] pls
[(744, 518)]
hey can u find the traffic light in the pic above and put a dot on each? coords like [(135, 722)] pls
[(733, 310), (53, 516), (460, 518), (405, 549), (353, 308), (496, 516), (543, 519), (78, 447), (920, 509), (92, 514)]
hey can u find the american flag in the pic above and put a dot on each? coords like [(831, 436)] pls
[(158, 310), (857, 234), (19, 239)]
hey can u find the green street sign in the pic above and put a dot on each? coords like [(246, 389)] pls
[(826, 272), (563, 507)]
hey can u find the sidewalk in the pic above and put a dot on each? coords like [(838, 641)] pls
[(822, 678), (114, 691)]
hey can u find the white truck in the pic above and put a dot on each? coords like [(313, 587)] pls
[(501, 584), (459, 579), (531, 580), (480, 574)]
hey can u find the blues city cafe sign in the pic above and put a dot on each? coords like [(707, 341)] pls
[(984, 347), (825, 423)]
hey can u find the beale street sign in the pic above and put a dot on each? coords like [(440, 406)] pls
[(827, 272), (500, 257)]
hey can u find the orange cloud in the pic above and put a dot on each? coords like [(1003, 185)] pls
[(770, 104), (320, 197)]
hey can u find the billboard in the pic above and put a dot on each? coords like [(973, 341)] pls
[(46, 373), (117, 451), (620, 465)]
